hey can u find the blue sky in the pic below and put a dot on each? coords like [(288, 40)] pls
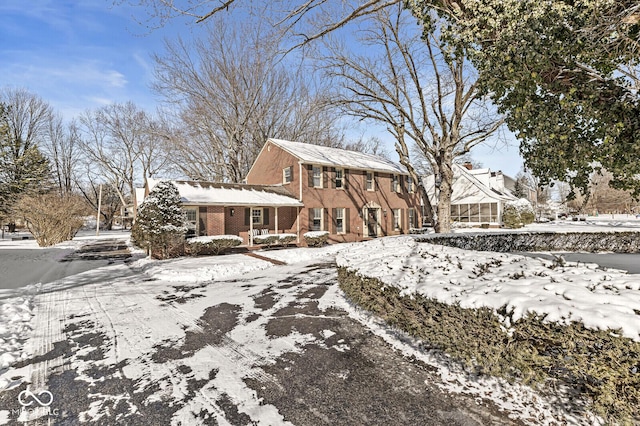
[(82, 54)]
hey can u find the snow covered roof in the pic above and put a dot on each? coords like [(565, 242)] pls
[(469, 188), (327, 156), (232, 194)]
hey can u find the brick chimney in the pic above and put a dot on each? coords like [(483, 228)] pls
[(468, 165)]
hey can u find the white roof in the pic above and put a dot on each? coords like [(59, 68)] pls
[(467, 188), (227, 194), (327, 156)]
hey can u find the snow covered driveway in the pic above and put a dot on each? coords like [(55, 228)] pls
[(236, 341)]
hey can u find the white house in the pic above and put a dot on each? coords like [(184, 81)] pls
[(479, 195)]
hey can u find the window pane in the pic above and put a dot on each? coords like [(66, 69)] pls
[(474, 213), (485, 212), (339, 220), (369, 180), (256, 215), (338, 178), (317, 176)]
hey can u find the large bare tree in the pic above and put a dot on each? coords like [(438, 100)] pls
[(62, 146), (121, 141), (232, 90), (423, 92)]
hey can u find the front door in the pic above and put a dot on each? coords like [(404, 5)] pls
[(372, 222)]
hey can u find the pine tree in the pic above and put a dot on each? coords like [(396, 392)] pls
[(23, 167), (159, 226)]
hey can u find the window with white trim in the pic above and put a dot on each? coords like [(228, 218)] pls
[(317, 176), (339, 178), (397, 219), (287, 175), (370, 183), (412, 218), (317, 219), (409, 184), (395, 183), (256, 216), (339, 220)]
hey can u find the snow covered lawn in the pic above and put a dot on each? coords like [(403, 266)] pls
[(516, 289)]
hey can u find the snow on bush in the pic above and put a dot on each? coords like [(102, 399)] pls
[(517, 213), (316, 238), (159, 226), (275, 239), (214, 244)]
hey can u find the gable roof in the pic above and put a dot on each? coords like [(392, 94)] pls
[(336, 157), (467, 188), (231, 194)]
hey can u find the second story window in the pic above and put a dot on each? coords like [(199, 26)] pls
[(395, 183), (339, 178), (287, 174), (409, 184), (317, 176), (370, 182)]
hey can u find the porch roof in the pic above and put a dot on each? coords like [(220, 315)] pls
[(232, 194)]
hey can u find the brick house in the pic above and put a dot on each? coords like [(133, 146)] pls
[(352, 195), (295, 187), (236, 209)]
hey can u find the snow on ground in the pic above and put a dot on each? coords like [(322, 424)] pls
[(599, 299)]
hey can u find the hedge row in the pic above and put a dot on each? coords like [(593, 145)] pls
[(618, 242), (594, 366)]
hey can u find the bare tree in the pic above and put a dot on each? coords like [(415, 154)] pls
[(422, 91), (62, 147), (122, 143), (233, 90)]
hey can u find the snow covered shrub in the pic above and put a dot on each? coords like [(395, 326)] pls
[(597, 367), (316, 238), (52, 218), (215, 244), (275, 239), (518, 213), (159, 227), (286, 239)]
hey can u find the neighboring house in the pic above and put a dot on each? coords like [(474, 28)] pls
[(478, 196), (351, 195), (236, 209)]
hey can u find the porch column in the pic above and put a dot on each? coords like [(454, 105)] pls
[(250, 226), (298, 226), (277, 220)]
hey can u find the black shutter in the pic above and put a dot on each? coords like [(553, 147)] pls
[(311, 220), (334, 221), (265, 219), (247, 216), (333, 177), (345, 180), (325, 177), (347, 221), (310, 173), (291, 172), (325, 213)]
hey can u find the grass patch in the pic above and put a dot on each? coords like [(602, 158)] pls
[(594, 366)]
